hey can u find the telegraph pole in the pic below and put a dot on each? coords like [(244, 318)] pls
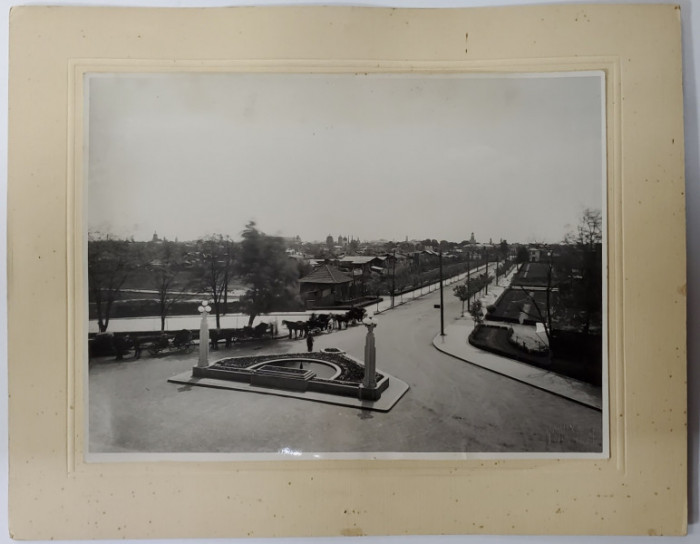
[(393, 279), (442, 309), (487, 271), (469, 265)]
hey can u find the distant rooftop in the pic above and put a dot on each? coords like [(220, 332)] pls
[(357, 259), (326, 274)]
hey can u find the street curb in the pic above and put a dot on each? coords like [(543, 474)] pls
[(562, 386)]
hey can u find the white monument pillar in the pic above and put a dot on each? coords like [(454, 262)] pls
[(369, 381), (204, 309)]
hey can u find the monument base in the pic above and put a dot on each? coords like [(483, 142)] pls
[(369, 393)]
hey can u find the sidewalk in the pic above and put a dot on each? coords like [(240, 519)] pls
[(404, 298), (456, 343)]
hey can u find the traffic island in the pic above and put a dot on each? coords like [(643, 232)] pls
[(330, 376)]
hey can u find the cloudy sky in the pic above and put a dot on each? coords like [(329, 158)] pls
[(369, 156)]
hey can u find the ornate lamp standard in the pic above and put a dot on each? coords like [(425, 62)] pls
[(368, 389), (204, 309)]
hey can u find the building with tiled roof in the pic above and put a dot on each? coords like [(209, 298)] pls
[(361, 266), (325, 286)]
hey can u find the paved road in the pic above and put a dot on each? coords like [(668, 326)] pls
[(452, 406)]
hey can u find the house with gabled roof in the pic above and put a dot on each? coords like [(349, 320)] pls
[(324, 286), (358, 266)]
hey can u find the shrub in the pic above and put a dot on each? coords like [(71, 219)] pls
[(475, 310)]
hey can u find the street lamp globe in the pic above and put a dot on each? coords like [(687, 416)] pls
[(369, 321)]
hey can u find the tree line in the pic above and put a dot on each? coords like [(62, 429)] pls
[(209, 266), (572, 286)]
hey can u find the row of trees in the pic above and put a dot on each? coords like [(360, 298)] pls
[(207, 267), (405, 275), (568, 296)]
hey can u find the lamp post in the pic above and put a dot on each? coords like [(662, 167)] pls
[(369, 381), (204, 309)]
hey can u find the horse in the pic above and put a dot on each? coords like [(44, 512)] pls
[(320, 322), (353, 314), (297, 327), (356, 314), (339, 319)]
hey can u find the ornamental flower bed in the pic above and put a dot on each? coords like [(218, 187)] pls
[(351, 372)]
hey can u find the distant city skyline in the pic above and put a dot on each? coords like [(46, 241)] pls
[(371, 156), (321, 240)]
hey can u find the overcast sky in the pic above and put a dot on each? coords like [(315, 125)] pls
[(369, 156)]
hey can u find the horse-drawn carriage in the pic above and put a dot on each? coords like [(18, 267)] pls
[(121, 344), (315, 324), (180, 342), (232, 336), (323, 322), (353, 315)]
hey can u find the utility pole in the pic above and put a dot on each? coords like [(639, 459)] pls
[(487, 272), (393, 280), (442, 309), (469, 265)]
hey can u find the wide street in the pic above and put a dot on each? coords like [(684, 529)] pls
[(451, 406)]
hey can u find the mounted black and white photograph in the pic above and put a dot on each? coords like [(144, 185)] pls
[(345, 265)]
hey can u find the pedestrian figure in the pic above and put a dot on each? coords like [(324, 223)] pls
[(214, 339), (121, 345), (137, 348), (310, 342)]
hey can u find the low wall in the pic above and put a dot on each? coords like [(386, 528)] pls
[(278, 380), (346, 305), (344, 389)]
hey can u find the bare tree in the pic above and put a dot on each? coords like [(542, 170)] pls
[(584, 269), (165, 264), (589, 231), (109, 266), (214, 258)]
